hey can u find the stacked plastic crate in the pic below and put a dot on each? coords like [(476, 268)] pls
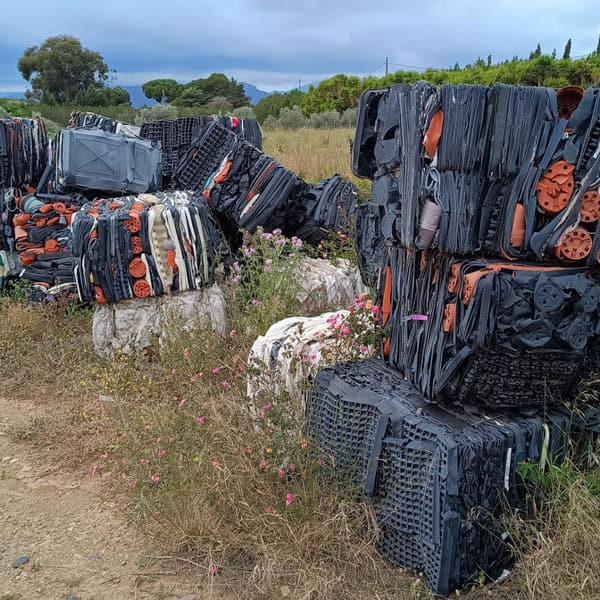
[(482, 236), (23, 147)]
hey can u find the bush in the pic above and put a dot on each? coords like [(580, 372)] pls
[(291, 118), (326, 120), (244, 112), (156, 112), (270, 123), (349, 117)]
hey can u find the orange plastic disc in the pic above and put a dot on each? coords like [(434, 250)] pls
[(136, 244), (133, 223), (137, 267), (575, 245), (141, 288), (590, 206), (555, 187)]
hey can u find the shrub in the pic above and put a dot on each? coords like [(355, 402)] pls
[(291, 118), (325, 120), (244, 112), (156, 112), (349, 117)]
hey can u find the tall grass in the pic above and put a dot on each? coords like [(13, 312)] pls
[(314, 153)]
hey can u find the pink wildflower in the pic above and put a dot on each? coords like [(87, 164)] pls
[(200, 419), (216, 370), (155, 478), (95, 471), (132, 484), (281, 473), (288, 499), (182, 403), (186, 353)]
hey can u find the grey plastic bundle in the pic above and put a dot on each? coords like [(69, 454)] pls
[(141, 246), (470, 169), (96, 160), (440, 480), (486, 332)]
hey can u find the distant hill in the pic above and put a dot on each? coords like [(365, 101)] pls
[(253, 93), (17, 95)]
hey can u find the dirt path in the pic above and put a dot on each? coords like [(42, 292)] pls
[(78, 543)]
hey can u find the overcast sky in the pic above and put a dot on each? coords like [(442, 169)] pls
[(273, 43)]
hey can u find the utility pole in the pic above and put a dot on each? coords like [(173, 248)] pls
[(386, 66), (299, 84)]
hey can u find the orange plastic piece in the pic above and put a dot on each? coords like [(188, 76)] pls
[(575, 245), (114, 205), (137, 267), (141, 288), (590, 206), (171, 260), (136, 244), (568, 99), (133, 223), (223, 174), (453, 279), (100, 297), (555, 187), (51, 246), (386, 304), (93, 235), (46, 208), (449, 317), (59, 207), (26, 258), (470, 280), (53, 221), (517, 233), (434, 133), (21, 219)]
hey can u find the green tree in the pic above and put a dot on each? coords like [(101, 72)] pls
[(157, 89), (336, 93), (567, 52), (271, 105), (60, 69), (97, 95), (200, 91)]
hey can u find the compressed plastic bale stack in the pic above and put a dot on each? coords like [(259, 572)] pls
[(92, 161), (490, 332), (249, 189), (145, 245), (439, 479), (43, 237), (471, 169), (137, 324), (23, 150), (92, 120), (9, 259), (177, 135)]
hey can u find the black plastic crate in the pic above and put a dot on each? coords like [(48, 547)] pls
[(440, 480)]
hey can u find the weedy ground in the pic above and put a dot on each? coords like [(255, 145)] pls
[(243, 495)]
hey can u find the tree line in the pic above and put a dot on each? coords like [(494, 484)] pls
[(62, 72), (342, 92)]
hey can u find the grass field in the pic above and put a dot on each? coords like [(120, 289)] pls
[(178, 447)]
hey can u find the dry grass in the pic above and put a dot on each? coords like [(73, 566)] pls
[(315, 153), (220, 483)]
